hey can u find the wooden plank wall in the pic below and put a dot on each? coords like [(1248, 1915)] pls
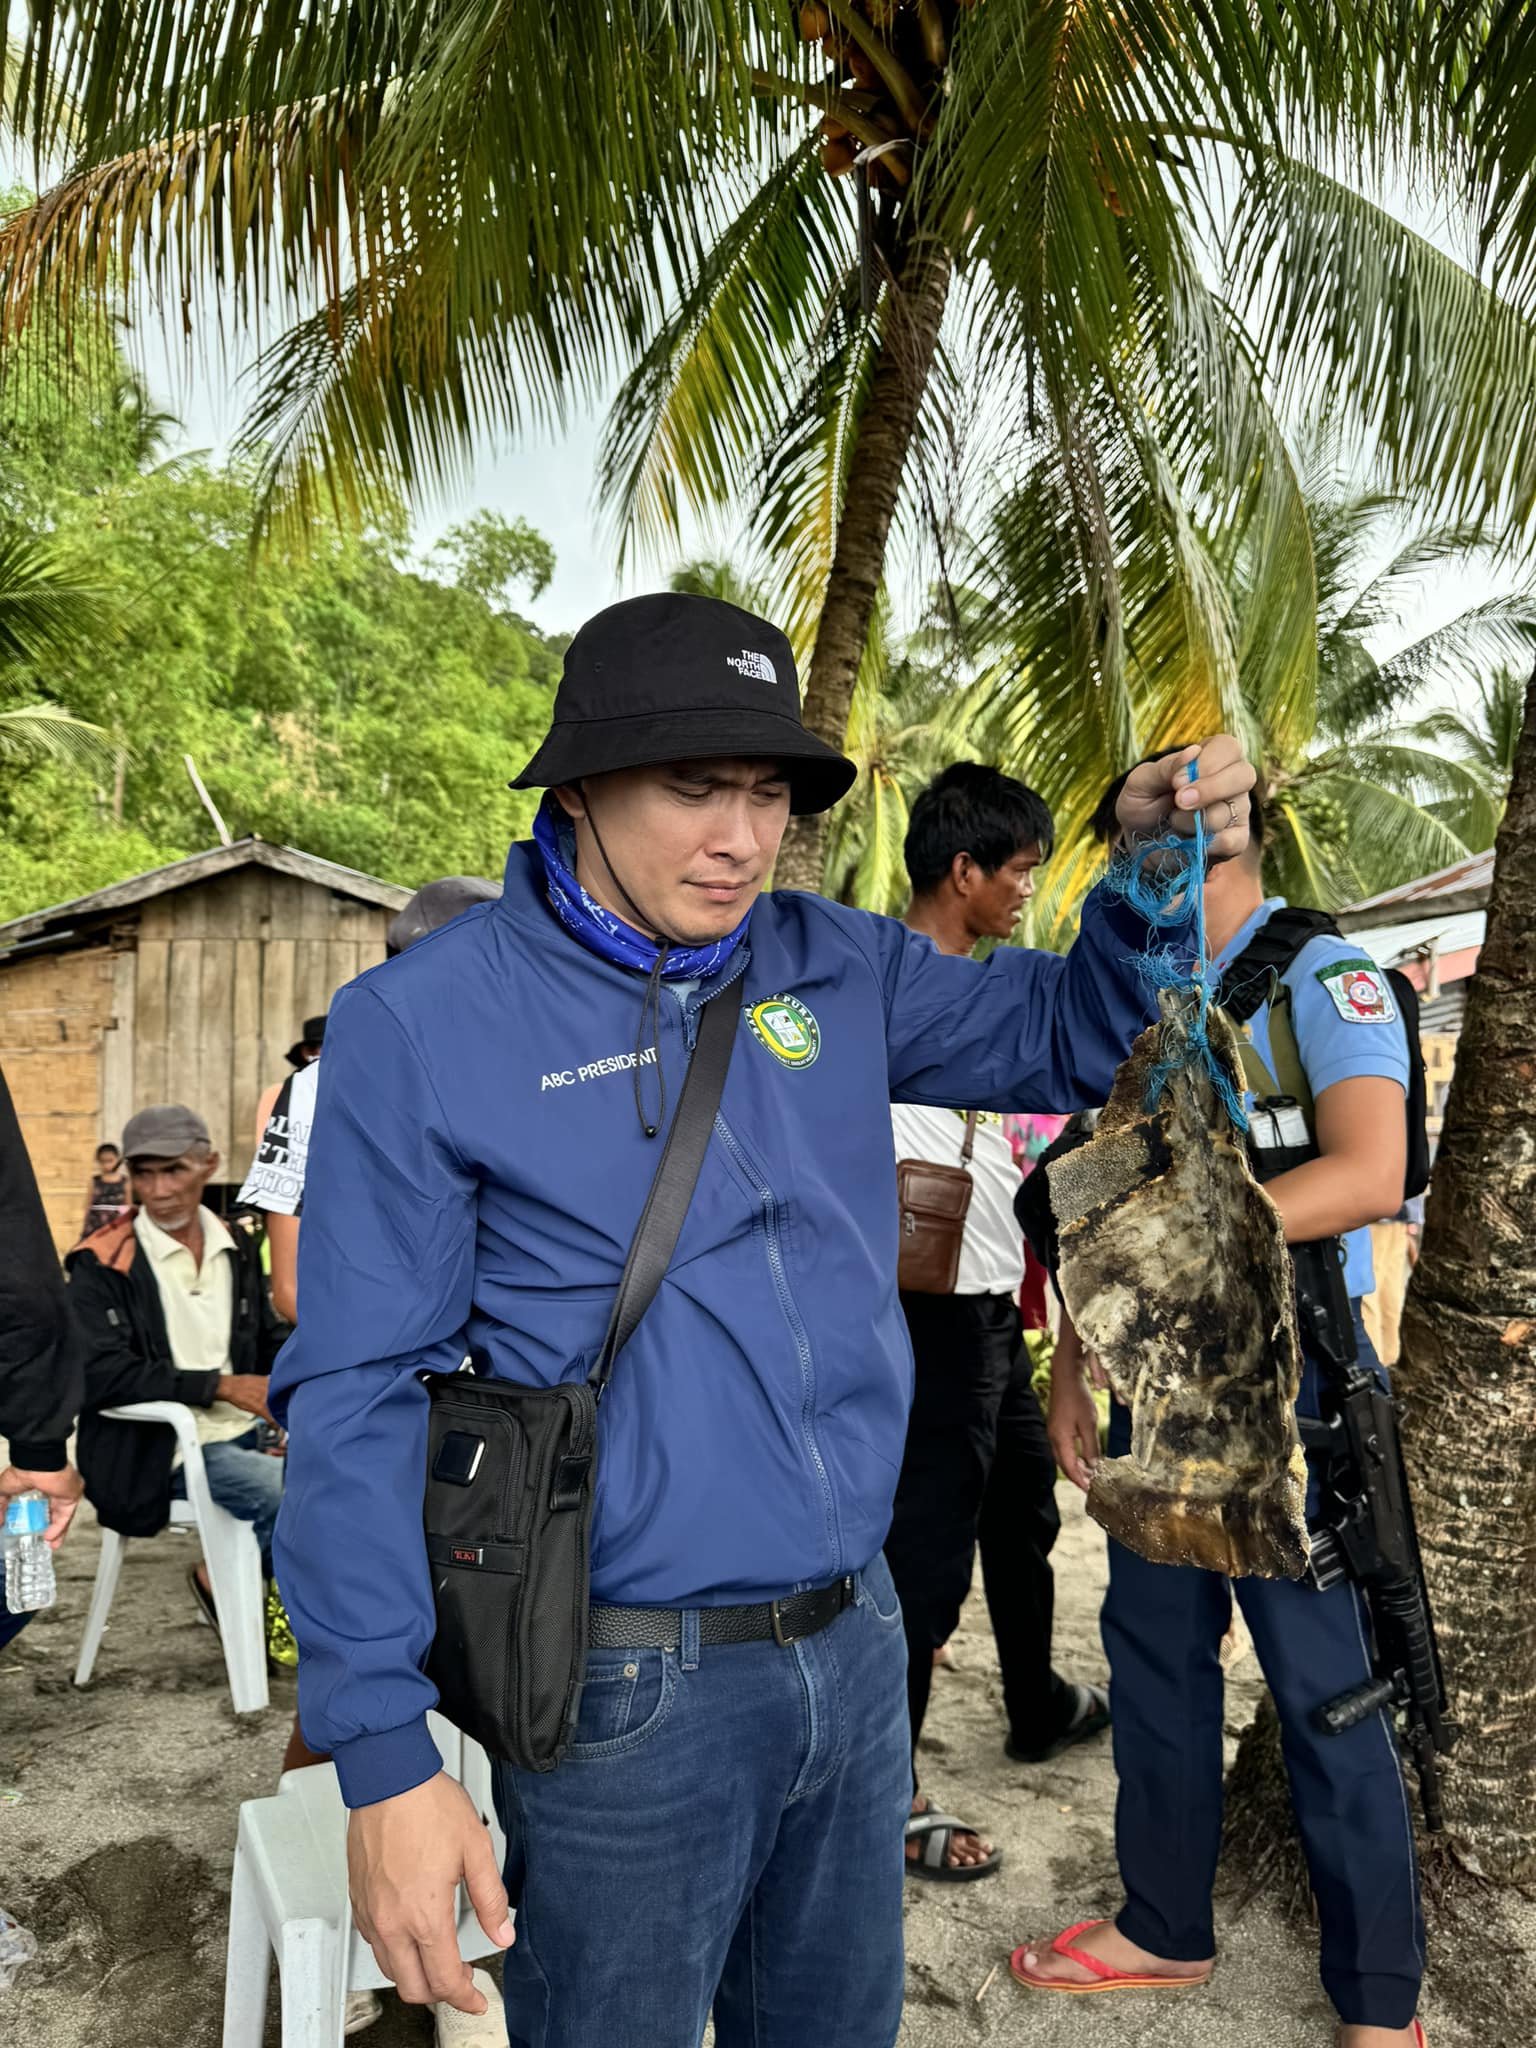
[(56, 1012), (1439, 1065), (227, 972)]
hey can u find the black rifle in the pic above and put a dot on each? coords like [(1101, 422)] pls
[(1364, 1530)]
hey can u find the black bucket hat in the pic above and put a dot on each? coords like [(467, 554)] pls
[(312, 1032), (675, 678)]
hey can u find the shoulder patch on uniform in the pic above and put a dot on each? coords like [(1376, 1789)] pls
[(1361, 992)]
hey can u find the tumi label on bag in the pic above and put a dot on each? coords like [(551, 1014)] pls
[(464, 1555)]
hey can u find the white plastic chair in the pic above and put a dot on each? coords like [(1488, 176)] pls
[(288, 1899), (230, 1551)]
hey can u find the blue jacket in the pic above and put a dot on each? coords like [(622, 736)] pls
[(475, 1176)]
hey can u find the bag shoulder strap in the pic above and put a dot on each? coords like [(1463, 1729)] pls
[(972, 1119), (671, 1191), (1246, 984), (1286, 1054)]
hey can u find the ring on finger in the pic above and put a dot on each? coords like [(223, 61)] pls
[(1231, 804)]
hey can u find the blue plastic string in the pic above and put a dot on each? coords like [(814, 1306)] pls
[(1158, 879)]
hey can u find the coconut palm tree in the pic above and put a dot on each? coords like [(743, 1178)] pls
[(1375, 798), (898, 740), (851, 253), (1361, 796), (42, 732), (1469, 1335), (1483, 738), (47, 616)]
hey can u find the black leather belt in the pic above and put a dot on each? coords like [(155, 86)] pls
[(778, 1621)]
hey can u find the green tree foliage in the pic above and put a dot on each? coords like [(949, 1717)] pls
[(490, 556), (824, 239), (1362, 796), (1481, 737), (341, 700)]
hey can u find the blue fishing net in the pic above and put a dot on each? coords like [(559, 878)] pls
[(1160, 878)]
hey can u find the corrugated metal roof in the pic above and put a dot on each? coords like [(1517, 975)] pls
[(1392, 944), (1464, 886)]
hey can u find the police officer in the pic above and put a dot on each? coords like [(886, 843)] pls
[(1163, 1624)]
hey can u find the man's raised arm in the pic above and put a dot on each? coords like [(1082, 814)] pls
[(1046, 1031)]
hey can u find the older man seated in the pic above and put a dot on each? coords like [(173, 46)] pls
[(171, 1306)]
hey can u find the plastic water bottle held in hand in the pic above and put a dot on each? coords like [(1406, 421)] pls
[(29, 1581)]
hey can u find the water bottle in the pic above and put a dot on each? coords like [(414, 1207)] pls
[(29, 1582)]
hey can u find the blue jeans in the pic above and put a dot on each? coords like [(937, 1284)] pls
[(1163, 1626), (246, 1482), (726, 1831)]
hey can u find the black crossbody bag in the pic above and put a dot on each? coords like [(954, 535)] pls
[(511, 1473)]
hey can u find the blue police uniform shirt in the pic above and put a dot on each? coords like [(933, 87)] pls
[(1347, 1026)]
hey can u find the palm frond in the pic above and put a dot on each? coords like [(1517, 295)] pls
[(710, 392), (1438, 369), (42, 732), (1461, 654), (47, 612), (486, 202)]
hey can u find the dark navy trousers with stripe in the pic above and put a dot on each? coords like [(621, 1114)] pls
[(1163, 1627)]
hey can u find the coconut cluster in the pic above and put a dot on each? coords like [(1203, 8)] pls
[(887, 59)]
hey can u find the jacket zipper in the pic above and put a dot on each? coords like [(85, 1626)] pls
[(796, 1330), (776, 1267)]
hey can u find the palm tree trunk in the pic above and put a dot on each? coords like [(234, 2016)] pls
[(1468, 1372), (879, 459), (1466, 1384)]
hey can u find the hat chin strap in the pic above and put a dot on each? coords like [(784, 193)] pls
[(645, 922), (650, 1006)]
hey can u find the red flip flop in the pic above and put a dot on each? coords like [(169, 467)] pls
[(1419, 2034), (1110, 1979)]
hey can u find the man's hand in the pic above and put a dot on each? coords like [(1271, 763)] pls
[(63, 1490), (247, 1390), (1074, 1428), (1159, 798), (405, 1857)]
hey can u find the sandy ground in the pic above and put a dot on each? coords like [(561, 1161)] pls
[(117, 1855)]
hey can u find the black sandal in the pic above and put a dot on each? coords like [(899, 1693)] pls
[(1091, 1719), (936, 1831)]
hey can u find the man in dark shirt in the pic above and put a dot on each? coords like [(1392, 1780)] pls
[(39, 1374)]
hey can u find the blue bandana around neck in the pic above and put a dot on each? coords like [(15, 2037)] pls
[(598, 929)]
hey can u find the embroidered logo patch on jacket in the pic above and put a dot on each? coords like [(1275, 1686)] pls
[(1360, 991), (786, 1027)]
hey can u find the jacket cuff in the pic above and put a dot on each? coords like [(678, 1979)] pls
[(375, 1767), (210, 1392), (1131, 928), (38, 1454)]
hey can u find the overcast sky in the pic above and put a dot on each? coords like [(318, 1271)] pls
[(549, 482)]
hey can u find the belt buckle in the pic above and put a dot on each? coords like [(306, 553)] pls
[(844, 1589)]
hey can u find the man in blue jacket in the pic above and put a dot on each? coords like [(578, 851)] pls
[(726, 1829)]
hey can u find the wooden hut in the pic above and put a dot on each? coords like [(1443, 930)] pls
[(186, 984)]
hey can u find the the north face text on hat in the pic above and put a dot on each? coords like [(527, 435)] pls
[(751, 663)]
